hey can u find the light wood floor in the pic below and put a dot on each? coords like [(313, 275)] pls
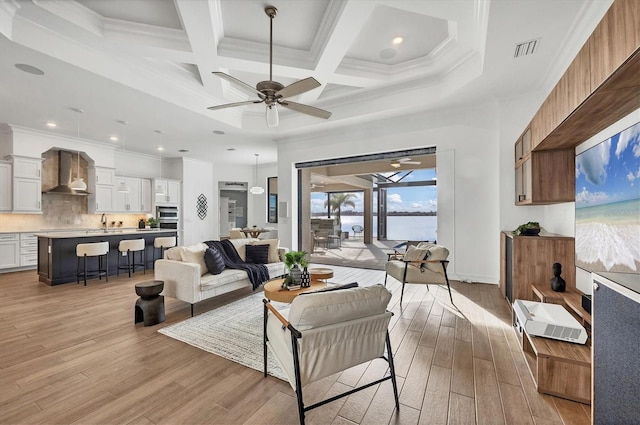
[(72, 354)]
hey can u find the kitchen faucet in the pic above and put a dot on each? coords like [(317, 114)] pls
[(104, 222)]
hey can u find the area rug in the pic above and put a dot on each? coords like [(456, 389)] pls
[(233, 331)]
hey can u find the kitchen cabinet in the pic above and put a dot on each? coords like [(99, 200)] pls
[(27, 167), (542, 177), (130, 201), (6, 186), (27, 190), (171, 192), (9, 250), (527, 260), (27, 195), (101, 186), (28, 250), (145, 196)]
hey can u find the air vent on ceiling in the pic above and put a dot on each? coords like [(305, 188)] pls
[(526, 48)]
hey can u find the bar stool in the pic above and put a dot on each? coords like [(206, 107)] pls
[(92, 249), (131, 246), (163, 242)]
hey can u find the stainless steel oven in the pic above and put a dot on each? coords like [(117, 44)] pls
[(168, 217)]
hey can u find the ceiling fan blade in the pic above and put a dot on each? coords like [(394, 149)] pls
[(305, 109), (412, 162), (298, 87), (231, 105), (246, 87)]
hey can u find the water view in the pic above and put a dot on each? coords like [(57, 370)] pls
[(400, 228)]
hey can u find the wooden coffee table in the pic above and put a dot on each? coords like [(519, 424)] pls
[(273, 290)]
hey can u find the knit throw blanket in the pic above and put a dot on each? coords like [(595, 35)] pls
[(258, 273)]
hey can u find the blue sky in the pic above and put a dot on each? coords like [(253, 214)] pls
[(398, 199), (610, 171)]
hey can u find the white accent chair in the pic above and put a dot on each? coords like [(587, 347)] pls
[(325, 332), (423, 263)]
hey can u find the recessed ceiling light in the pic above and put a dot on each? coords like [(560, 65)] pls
[(160, 148), (397, 40), (113, 138), (387, 53), (183, 150), (29, 69), (231, 149), (51, 124), (218, 132), (159, 131)]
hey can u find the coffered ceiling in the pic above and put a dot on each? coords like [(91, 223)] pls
[(150, 63)]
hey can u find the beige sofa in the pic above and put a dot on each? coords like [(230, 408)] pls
[(186, 277)]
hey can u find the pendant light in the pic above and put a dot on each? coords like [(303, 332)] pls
[(256, 190), (159, 188), (122, 187), (78, 183)]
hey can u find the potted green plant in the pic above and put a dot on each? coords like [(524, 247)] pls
[(531, 228), (153, 222), (293, 260)]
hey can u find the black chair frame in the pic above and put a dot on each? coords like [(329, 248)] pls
[(444, 263), (131, 262), (295, 335), (99, 272)]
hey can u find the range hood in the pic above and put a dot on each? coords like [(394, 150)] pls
[(64, 176)]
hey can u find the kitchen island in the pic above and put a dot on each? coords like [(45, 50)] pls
[(57, 260)]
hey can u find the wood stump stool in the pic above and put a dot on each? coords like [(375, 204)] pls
[(150, 306)]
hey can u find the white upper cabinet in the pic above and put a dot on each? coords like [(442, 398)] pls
[(27, 190), (27, 167), (6, 186), (145, 195), (171, 192)]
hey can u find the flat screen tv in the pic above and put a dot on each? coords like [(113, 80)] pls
[(608, 204)]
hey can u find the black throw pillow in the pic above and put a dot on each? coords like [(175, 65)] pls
[(214, 261), (257, 254)]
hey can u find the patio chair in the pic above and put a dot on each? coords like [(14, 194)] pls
[(326, 332), (424, 263), (320, 239), (357, 229)]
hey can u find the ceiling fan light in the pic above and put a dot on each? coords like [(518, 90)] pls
[(123, 188), (272, 116), (78, 184)]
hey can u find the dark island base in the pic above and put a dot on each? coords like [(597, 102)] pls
[(58, 263)]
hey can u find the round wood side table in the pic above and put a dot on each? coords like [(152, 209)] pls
[(273, 290)]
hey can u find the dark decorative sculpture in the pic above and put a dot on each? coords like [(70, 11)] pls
[(557, 283)]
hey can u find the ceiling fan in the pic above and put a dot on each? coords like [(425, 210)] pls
[(403, 161), (273, 93)]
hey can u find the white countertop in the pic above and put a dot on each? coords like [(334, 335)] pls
[(98, 232)]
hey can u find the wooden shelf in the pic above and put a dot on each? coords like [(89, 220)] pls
[(559, 368)]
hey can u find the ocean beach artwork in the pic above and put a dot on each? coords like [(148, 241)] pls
[(607, 221)]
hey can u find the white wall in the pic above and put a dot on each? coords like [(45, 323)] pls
[(258, 203), (197, 179), (468, 177)]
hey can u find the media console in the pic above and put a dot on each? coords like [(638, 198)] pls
[(559, 368)]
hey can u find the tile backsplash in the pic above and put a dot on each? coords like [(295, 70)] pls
[(63, 212)]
